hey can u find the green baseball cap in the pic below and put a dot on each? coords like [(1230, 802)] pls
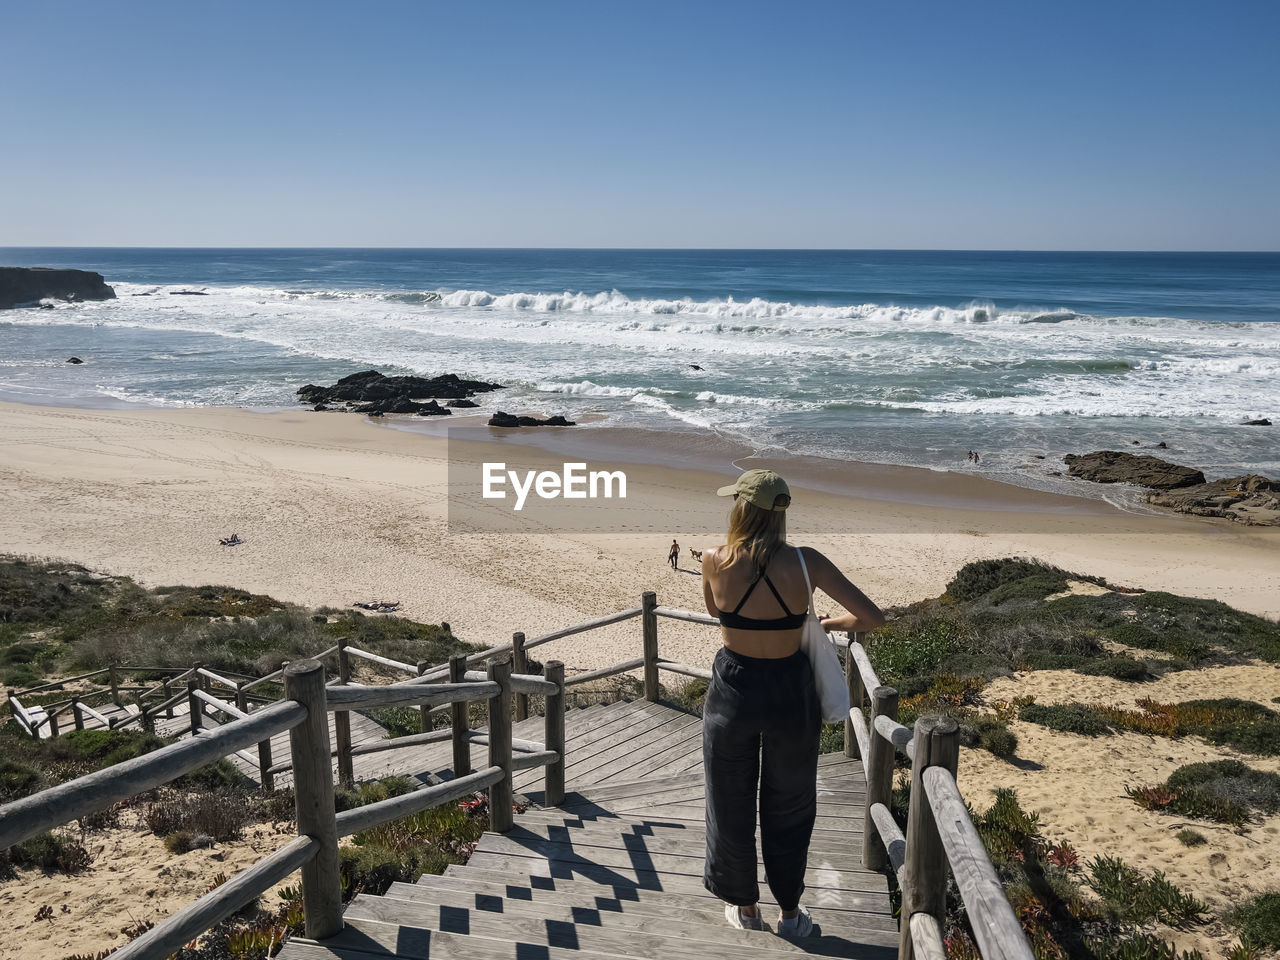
[(761, 488)]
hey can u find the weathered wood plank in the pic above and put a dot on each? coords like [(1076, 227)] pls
[(595, 896), (640, 860), (830, 898), (571, 928), (995, 926)]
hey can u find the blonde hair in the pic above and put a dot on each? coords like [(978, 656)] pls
[(755, 532)]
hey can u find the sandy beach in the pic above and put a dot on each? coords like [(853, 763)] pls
[(338, 508)]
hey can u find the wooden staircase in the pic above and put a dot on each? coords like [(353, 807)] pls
[(616, 870)]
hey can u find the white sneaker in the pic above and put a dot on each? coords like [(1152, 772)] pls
[(801, 925), (738, 919)]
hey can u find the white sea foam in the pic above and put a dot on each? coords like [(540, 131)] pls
[(761, 359)]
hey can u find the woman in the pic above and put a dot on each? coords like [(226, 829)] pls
[(762, 703)]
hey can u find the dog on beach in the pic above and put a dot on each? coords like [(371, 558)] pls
[(696, 554)]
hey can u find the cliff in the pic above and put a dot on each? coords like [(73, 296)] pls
[(20, 285)]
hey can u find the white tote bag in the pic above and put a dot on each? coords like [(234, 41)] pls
[(828, 674)]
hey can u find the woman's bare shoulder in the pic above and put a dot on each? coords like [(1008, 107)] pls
[(712, 556)]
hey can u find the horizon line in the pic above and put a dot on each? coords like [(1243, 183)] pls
[(706, 249)]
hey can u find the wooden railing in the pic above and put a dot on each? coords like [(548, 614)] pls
[(939, 832), (303, 712), (939, 836)]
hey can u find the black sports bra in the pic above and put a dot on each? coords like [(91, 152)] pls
[(735, 621)]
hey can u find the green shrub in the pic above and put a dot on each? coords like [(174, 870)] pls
[(975, 579), (1119, 668), (989, 733), (221, 815), (1227, 791), (1141, 899), (180, 842), (900, 651), (51, 853), (372, 791), (1066, 718), (372, 869), (1191, 838), (17, 780), (831, 739), (1010, 833), (1258, 921), (398, 721), (1241, 724), (104, 748)]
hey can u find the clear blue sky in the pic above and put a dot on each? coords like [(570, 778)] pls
[(1019, 125)]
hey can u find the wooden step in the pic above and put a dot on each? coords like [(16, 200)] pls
[(675, 826), (858, 911), (639, 846), (844, 891), (486, 915), (395, 925), (594, 896)]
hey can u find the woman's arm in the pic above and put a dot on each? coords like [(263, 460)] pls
[(710, 561), (863, 614)]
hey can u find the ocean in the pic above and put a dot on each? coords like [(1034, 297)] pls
[(901, 357)]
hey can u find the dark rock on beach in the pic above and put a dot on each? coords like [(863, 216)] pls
[(1114, 466), (22, 285), (188, 293), (1261, 422), (462, 403), (1249, 499), (74, 360), (372, 392), (501, 419)]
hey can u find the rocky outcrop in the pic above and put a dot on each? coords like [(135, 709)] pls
[(1114, 466), (24, 285), (373, 393), (1249, 499), (501, 419), (1260, 422)]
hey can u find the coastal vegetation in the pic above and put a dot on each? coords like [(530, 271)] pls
[(59, 619), (996, 618)]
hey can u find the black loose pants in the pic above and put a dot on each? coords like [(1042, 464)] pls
[(760, 727)]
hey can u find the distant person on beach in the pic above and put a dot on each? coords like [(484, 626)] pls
[(762, 696), (673, 556)]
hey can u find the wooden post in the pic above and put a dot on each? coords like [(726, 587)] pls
[(115, 683), (193, 705), (884, 701), (520, 664), (76, 715), (937, 744), (424, 712), (649, 619), (168, 695), (853, 680), (500, 794), (553, 734), (198, 677), (313, 798), (148, 721), (458, 715), (53, 724), (342, 721)]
